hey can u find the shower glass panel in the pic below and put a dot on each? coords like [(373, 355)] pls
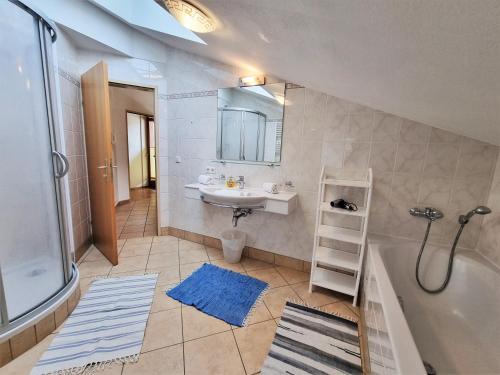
[(31, 246), (231, 129)]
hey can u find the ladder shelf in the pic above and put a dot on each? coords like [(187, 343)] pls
[(338, 267)]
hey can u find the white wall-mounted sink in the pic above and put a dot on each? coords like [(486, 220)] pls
[(283, 203), (232, 197)]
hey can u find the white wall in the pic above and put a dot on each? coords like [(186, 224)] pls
[(121, 101)]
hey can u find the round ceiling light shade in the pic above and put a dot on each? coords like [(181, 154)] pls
[(190, 16)]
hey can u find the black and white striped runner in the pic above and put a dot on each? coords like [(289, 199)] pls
[(309, 341)]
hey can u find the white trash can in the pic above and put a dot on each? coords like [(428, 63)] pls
[(233, 242)]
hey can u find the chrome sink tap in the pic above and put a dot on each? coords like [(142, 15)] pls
[(241, 182)]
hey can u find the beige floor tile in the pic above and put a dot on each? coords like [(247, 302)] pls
[(188, 269), (253, 343), (139, 240), (341, 309), (162, 302), (214, 254), (94, 255), (319, 297), (133, 251), (156, 261), (114, 369), (120, 243), (188, 245), (292, 276), (198, 324), (166, 275), (130, 264), (275, 299), (236, 267), (213, 355), (132, 235), (166, 239), (250, 264), (90, 269), (128, 273), (270, 276), (259, 314), (166, 361), (164, 329), (164, 248), (85, 284), (193, 256), (23, 364)]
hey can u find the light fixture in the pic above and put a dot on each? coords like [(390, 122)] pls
[(190, 16), (252, 81)]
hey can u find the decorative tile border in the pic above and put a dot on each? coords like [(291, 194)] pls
[(66, 75), (250, 252), (195, 94)]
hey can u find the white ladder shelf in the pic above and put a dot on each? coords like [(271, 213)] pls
[(340, 269)]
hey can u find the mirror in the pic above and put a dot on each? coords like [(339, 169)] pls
[(250, 123)]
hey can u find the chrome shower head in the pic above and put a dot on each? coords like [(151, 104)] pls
[(480, 210)]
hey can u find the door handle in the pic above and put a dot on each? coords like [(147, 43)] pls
[(63, 165), (105, 167)]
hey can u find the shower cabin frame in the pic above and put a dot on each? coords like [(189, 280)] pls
[(242, 112), (9, 328)]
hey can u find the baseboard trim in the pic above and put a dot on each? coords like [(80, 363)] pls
[(250, 252)]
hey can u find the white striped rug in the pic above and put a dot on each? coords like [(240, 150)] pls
[(309, 341), (107, 326)]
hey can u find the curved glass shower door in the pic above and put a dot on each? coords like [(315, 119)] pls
[(31, 245)]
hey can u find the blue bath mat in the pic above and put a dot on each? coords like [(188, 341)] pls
[(222, 293)]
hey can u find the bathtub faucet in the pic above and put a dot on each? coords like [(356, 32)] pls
[(429, 213)]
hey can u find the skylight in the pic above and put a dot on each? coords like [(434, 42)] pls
[(148, 15)]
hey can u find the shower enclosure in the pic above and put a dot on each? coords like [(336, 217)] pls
[(36, 263), (242, 134)]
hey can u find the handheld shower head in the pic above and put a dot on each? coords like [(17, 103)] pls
[(480, 210)]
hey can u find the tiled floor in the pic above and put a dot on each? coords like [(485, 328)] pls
[(137, 218), (180, 339)]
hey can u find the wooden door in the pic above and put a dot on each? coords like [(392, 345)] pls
[(97, 118)]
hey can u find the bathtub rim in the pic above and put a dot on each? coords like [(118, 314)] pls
[(406, 354)]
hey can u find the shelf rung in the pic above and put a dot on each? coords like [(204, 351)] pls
[(334, 281), (351, 183), (340, 234), (337, 258), (325, 207)]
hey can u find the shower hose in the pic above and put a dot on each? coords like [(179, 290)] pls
[(450, 260)]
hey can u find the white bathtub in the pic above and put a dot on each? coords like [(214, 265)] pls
[(456, 331)]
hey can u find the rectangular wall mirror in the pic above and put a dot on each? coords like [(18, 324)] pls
[(250, 123)]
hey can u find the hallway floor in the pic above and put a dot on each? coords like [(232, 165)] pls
[(138, 217), (180, 339)]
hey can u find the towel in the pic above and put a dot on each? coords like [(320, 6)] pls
[(270, 187), (204, 179)]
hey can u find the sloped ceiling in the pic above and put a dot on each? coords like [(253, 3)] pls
[(433, 61)]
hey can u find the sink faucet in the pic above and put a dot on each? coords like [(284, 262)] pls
[(241, 182)]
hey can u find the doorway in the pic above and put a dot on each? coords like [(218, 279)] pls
[(141, 150), (134, 149)]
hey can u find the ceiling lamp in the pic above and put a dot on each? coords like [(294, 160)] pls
[(190, 16)]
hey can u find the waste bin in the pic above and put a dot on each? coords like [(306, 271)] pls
[(233, 242)]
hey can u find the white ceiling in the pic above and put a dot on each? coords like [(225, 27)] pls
[(433, 61)]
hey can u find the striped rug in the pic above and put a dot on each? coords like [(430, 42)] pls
[(309, 341), (107, 326)]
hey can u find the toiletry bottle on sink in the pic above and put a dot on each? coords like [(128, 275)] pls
[(230, 182)]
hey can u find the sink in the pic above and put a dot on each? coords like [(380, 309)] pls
[(232, 197)]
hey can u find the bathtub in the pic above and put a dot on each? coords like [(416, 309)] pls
[(456, 331)]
